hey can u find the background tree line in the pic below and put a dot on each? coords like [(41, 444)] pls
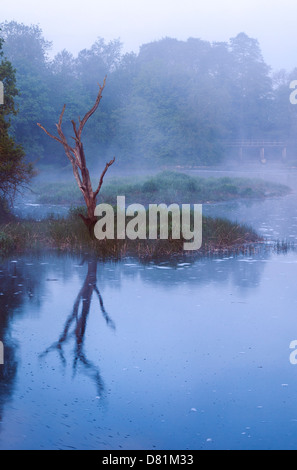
[(15, 172), (173, 103)]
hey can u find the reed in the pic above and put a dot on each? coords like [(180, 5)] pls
[(70, 234)]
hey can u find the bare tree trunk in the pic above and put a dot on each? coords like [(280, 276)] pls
[(76, 155)]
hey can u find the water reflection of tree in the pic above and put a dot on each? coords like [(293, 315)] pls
[(75, 327)]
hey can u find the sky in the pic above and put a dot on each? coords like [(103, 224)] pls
[(76, 24)]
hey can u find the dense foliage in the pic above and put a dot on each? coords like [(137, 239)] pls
[(14, 171), (174, 103)]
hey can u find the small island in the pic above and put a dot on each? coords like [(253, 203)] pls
[(69, 234)]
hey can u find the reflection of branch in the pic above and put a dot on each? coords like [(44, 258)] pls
[(108, 320), (79, 321)]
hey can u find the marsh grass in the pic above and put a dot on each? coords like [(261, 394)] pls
[(166, 187), (70, 234)]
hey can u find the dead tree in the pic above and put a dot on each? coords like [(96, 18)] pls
[(76, 155)]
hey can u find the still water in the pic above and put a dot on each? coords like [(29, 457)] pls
[(180, 355)]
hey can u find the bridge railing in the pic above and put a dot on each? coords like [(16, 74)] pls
[(242, 145), (254, 143)]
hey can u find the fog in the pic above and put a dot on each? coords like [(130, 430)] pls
[(74, 27)]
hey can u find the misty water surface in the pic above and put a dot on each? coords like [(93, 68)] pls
[(181, 355)]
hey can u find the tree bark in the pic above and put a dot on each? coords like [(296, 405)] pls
[(76, 156)]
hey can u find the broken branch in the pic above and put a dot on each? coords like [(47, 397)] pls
[(102, 176)]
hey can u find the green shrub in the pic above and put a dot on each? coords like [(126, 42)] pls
[(6, 243), (150, 186), (230, 189), (5, 214), (246, 192)]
